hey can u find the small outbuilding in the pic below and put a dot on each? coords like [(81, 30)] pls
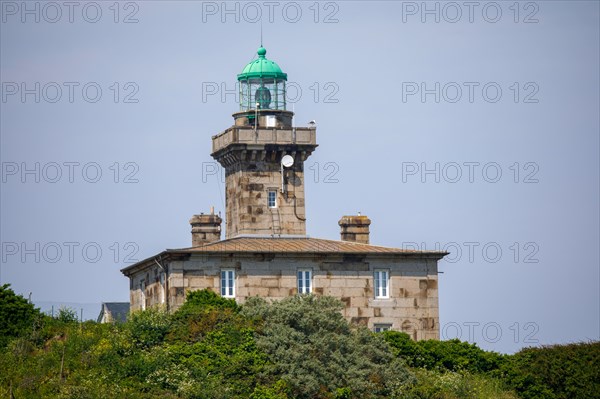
[(112, 312)]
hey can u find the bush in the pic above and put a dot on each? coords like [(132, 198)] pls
[(207, 298), (279, 390), (555, 372), (67, 315), (148, 327), (17, 315), (452, 355), (451, 385), (300, 347), (205, 312), (312, 348), (216, 343)]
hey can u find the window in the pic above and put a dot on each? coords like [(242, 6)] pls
[(227, 283), (272, 199), (381, 278), (382, 327), (304, 281)]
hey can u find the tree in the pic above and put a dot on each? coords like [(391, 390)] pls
[(17, 315), (315, 351)]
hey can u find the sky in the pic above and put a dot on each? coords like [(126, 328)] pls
[(471, 127)]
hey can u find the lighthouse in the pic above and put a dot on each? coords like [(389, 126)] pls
[(263, 154), (266, 251)]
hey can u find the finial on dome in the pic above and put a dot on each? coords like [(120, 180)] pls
[(261, 51)]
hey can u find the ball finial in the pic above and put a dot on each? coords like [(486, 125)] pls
[(261, 51)]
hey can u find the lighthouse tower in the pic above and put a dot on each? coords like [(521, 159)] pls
[(263, 155)]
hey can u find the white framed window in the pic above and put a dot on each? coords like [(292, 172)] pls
[(382, 284), (382, 327), (304, 281), (228, 283), (272, 198)]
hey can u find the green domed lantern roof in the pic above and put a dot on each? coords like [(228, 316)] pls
[(262, 68), (262, 86)]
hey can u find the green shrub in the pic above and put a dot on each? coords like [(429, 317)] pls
[(208, 298), (452, 355), (300, 347), (312, 348), (17, 315), (148, 327), (452, 385), (67, 315), (279, 390), (555, 372)]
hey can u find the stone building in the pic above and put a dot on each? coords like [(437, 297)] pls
[(266, 251), (113, 312)]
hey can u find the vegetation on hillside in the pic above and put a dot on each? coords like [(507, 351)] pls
[(552, 372), (300, 347)]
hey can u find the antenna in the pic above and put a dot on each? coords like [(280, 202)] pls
[(261, 33)]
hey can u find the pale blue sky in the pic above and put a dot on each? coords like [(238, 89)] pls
[(375, 135)]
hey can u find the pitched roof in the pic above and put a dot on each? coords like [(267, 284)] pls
[(117, 310), (249, 244), (286, 245)]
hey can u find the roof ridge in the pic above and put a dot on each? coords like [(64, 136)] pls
[(292, 238)]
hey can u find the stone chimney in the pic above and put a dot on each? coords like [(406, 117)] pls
[(205, 228), (355, 228)]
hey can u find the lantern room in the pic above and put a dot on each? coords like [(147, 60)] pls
[(262, 87), (262, 84)]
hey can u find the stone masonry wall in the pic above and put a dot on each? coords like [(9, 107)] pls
[(246, 197), (412, 306), (153, 292)]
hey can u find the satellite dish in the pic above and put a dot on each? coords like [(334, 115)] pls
[(287, 161)]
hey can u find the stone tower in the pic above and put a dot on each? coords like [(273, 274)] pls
[(263, 155)]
